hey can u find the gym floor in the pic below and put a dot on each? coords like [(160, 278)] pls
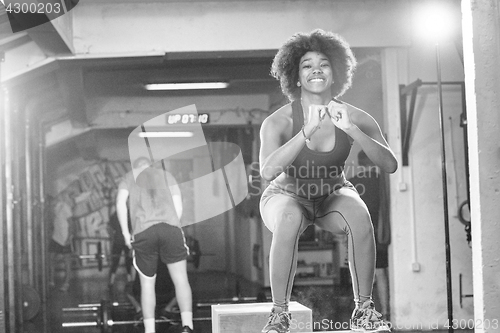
[(89, 286)]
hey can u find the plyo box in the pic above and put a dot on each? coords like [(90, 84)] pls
[(251, 317)]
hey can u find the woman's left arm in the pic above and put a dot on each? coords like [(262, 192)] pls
[(363, 128)]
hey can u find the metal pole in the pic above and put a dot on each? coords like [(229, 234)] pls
[(19, 226), (445, 195), (29, 200), (9, 219), (35, 202), (37, 219), (42, 220), (466, 144), (17, 214), (2, 209)]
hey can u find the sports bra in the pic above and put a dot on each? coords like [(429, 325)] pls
[(311, 164)]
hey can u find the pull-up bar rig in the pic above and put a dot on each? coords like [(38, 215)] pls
[(407, 113)]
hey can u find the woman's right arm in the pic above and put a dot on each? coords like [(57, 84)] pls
[(274, 156)]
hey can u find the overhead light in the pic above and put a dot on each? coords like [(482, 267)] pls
[(165, 134), (186, 86), (434, 21)]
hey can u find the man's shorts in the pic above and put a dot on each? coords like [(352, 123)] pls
[(160, 240), (55, 247)]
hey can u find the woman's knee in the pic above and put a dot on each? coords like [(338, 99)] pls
[(354, 213), (282, 211), (288, 222)]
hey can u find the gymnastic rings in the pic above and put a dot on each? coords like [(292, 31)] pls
[(464, 213)]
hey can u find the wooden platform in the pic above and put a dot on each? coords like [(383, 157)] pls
[(252, 317)]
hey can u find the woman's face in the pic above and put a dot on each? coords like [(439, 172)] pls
[(315, 73)]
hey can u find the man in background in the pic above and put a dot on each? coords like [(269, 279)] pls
[(155, 204), (60, 246)]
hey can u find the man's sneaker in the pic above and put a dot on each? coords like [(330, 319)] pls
[(366, 319), (278, 322), (186, 329)]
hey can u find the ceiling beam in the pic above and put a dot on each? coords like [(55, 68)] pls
[(50, 31), (14, 41), (49, 39)]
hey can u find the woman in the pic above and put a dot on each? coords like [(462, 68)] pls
[(304, 146)]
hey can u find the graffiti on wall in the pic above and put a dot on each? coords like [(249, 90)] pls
[(93, 193)]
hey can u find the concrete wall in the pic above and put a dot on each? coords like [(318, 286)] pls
[(105, 28), (481, 30)]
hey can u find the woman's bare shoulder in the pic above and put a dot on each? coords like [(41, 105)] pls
[(279, 119), (359, 116)]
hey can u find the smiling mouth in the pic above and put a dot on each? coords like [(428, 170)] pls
[(317, 79)]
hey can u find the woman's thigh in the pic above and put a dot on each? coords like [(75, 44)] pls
[(341, 209), (282, 208)]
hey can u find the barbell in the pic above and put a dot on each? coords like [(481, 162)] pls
[(91, 307), (192, 243), (104, 319)]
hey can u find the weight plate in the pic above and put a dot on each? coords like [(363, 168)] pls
[(106, 315), (31, 302)]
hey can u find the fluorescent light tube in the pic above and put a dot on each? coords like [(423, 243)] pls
[(187, 86), (165, 134)]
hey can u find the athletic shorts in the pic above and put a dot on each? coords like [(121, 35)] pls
[(160, 240), (55, 247)]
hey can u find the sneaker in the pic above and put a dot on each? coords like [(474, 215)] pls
[(138, 318), (176, 316), (278, 322), (366, 319), (186, 329)]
